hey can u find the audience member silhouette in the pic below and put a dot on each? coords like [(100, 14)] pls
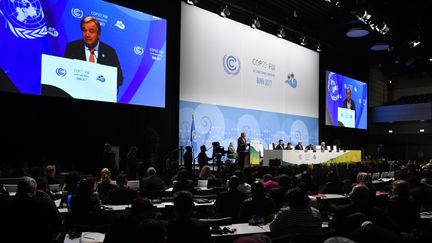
[(228, 203), (31, 219), (298, 217), (126, 227), (258, 206), (121, 195), (105, 184), (152, 185), (132, 163), (184, 228)]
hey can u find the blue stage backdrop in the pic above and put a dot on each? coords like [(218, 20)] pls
[(224, 124), (30, 28)]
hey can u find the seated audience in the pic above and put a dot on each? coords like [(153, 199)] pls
[(334, 185), (258, 206), (50, 172), (366, 179), (105, 184), (151, 231), (126, 228), (306, 180), (298, 217), (30, 219), (86, 204), (183, 182), (360, 203), (152, 185), (184, 228), (72, 181), (243, 187), (269, 183), (401, 210), (121, 195), (42, 189), (228, 203), (278, 193), (205, 173)]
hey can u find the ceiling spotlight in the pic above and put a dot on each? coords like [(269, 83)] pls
[(192, 2), (357, 32), (280, 32), (364, 17), (303, 41), (415, 43), (225, 12), (382, 28), (255, 23), (430, 59), (318, 48)]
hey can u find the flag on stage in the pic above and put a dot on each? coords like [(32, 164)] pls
[(193, 137)]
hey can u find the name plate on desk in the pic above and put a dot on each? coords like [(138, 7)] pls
[(346, 117), (79, 79)]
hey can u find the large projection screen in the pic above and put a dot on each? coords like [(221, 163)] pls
[(234, 78), (43, 52)]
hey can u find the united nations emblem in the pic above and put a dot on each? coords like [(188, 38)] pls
[(24, 18), (332, 87)]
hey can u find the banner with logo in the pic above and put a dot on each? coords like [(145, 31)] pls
[(31, 28), (234, 78)]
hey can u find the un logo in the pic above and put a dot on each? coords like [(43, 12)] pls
[(24, 18), (332, 87), (61, 72), (231, 64)]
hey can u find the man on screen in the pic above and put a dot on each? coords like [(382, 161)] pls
[(348, 102), (91, 49)]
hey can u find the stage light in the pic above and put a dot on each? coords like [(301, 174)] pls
[(357, 32), (303, 41), (280, 32), (255, 23), (318, 48), (382, 28), (225, 11), (421, 130), (415, 43), (390, 131), (192, 2)]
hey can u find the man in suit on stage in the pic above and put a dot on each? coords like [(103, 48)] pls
[(280, 145), (299, 145), (241, 149), (91, 49), (348, 102)]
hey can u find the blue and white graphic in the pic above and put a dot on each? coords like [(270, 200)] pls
[(231, 64), (36, 27), (291, 81), (266, 86), (24, 18), (61, 72), (202, 124), (337, 86)]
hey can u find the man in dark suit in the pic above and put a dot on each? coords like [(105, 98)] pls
[(123, 194), (228, 203), (348, 102), (280, 145), (299, 145), (152, 185), (91, 49), (184, 228), (241, 149)]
